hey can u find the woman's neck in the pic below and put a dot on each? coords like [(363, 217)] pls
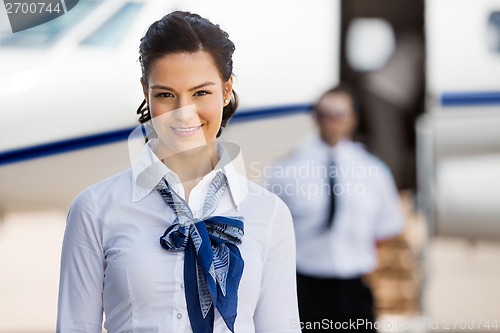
[(192, 165)]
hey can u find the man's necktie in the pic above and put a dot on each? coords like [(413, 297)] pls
[(212, 262), (331, 194)]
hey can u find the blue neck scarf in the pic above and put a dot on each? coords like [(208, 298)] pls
[(212, 261)]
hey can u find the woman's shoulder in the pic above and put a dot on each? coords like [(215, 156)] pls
[(260, 198), (254, 189), (116, 185)]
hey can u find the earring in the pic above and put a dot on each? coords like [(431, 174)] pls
[(226, 101)]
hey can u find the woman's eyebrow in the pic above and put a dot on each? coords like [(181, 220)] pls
[(159, 86), (208, 83)]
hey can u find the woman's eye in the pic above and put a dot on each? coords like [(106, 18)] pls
[(165, 95), (202, 93)]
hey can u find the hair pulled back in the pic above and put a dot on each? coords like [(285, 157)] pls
[(179, 32)]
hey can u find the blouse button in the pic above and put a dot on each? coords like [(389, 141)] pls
[(179, 316), (182, 285)]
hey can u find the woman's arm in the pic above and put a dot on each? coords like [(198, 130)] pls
[(82, 270), (277, 309)]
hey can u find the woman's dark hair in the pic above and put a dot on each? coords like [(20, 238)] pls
[(186, 32)]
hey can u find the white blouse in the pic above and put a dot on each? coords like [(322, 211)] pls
[(112, 261)]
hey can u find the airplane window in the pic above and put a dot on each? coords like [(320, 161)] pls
[(494, 32), (370, 42), (47, 34), (111, 32)]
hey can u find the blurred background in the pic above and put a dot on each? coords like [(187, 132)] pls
[(428, 75)]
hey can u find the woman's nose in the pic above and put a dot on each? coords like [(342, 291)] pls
[(185, 112)]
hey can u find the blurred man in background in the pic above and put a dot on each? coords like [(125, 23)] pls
[(343, 200)]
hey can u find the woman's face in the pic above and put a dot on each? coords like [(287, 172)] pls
[(186, 96)]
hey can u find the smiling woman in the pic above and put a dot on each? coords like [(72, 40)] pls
[(198, 36), (175, 243), (186, 97)]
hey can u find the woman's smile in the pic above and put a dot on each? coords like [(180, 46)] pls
[(186, 131)]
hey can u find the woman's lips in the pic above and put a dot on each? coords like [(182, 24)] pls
[(186, 131)]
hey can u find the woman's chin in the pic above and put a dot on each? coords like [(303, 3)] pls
[(168, 148)]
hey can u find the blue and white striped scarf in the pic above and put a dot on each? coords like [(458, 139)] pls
[(212, 262)]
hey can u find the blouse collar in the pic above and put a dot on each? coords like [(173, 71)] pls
[(148, 170)]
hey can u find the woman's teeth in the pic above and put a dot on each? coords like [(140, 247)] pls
[(186, 129)]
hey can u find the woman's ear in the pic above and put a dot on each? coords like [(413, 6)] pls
[(228, 88)]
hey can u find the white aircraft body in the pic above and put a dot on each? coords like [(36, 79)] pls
[(459, 135)]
